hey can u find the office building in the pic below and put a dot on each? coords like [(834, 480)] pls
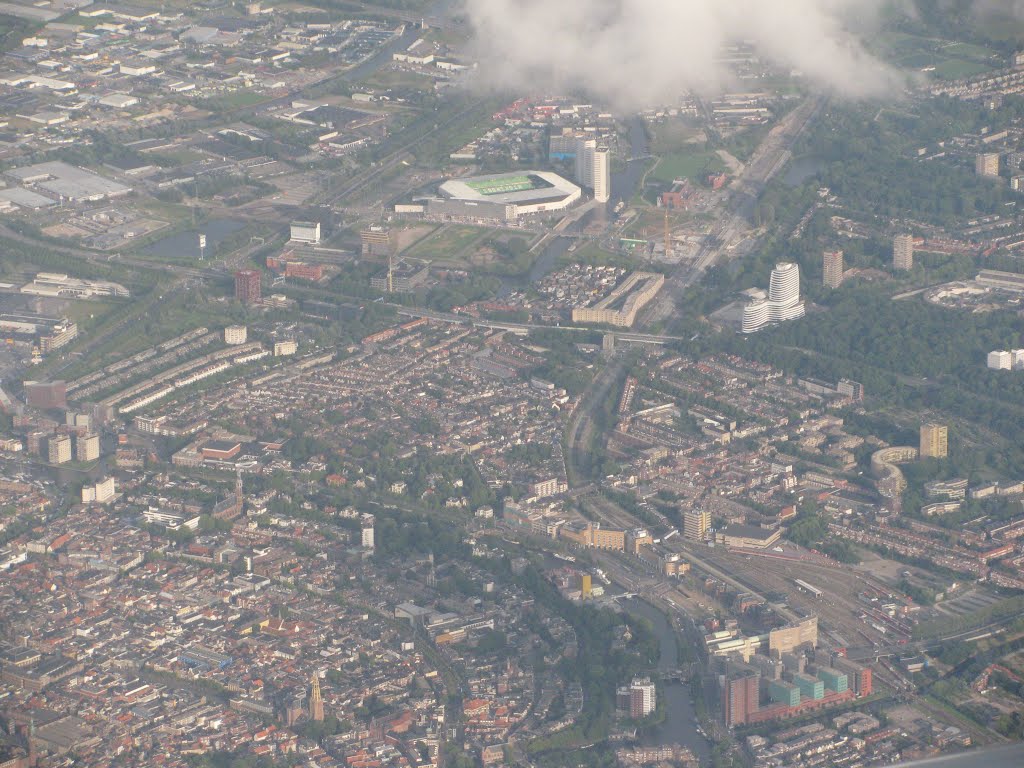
[(59, 336), (366, 528), (834, 680), (285, 347), (620, 307), (783, 692), (851, 389), (1000, 360), (401, 276), (696, 523), (81, 421), (810, 687), (247, 286), (593, 168), (903, 252), (602, 177), (100, 493), (235, 335), (375, 242), (638, 699), (87, 447), (781, 303), (934, 441), (590, 534), (987, 164), (743, 536), (740, 695), (832, 262), (858, 677), (58, 449), (306, 232)]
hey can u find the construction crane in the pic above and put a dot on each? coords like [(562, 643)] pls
[(668, 235)]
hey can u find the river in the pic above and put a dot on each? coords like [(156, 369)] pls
[(679, 726)]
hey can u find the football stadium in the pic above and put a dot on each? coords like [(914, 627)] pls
[(504, 196)]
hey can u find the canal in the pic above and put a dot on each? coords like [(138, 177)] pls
[(185, 245), (626, 182), (680, 724)]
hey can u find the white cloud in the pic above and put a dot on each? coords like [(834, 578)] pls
[(642, 52)]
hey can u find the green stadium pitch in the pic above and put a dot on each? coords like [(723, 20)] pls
[(506, 185)]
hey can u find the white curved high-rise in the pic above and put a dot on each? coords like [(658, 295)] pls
[(784, 286), (783, 301), (755, 315)]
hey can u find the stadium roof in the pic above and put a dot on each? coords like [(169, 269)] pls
[(518, 188)]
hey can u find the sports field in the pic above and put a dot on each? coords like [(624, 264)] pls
[(502, 186)]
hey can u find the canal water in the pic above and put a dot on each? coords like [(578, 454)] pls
[(802, 169), (186, 244), (679, 726), (626, 181)]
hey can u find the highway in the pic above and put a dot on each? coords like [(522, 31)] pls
[(523, 328)]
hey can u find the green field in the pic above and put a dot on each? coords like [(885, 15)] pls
[(954, 69), (89, 314), (951, 60), (674, 134), (446, 243), (687, 165), (502, 186)]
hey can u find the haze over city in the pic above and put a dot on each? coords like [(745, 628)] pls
[(491, 384)]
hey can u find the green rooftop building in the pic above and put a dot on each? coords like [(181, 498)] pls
[(834, 680), (783, 692), (810, 687)]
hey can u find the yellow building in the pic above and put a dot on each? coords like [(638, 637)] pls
[(593, 535), (603, 538), (696, 523), (934, 441)]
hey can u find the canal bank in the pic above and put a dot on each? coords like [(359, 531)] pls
[(680, 723)]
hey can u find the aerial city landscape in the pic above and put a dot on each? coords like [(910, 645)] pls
[(467, 383)]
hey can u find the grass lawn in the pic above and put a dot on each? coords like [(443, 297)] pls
[(672, 135), (89, 314), (397, 78), (171, 212), (447, 243), (969, 51), (687, 165), (954, 69)]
